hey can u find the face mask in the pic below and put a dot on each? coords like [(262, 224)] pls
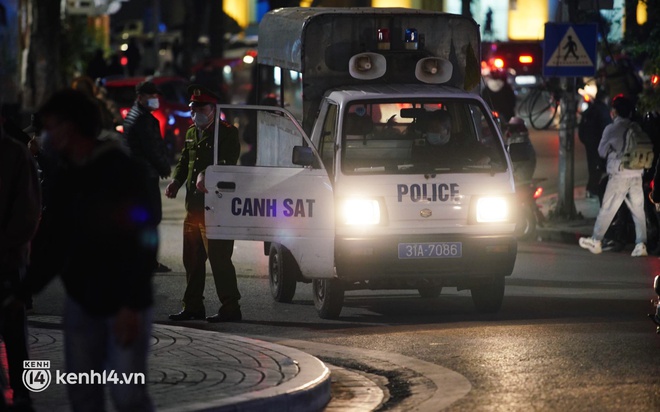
[(437, 138), (200, 119), (153, 104), (495, 85)]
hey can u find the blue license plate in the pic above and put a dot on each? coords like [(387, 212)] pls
[(430, 250)]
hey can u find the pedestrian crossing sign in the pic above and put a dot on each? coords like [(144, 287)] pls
[(569, 50)]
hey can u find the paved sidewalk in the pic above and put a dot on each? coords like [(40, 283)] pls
[(195, 370), (568, 231)]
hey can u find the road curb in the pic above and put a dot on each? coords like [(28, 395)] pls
[(446, 386), (308, 391), (226, 371)]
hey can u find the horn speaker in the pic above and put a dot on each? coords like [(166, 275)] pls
[(367, 66), (433, 70)]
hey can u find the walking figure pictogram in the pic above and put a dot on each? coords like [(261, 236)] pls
[(571, 46)]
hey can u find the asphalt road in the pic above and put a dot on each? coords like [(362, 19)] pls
[(572, 334)]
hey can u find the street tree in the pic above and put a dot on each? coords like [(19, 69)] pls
[(43, 75)]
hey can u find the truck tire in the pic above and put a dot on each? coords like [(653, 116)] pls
[(328, 297), (488, 298), (430, 291), (282, 273)]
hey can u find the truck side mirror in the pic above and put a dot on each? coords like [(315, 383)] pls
[(302, 156)]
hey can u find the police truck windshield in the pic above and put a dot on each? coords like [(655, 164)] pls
[(452, 135)]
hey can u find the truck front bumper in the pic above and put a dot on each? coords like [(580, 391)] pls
[(374, 259)]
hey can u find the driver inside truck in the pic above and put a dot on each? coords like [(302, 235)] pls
[(441, 149)]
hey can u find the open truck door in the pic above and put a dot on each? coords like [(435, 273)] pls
[(286, 199)]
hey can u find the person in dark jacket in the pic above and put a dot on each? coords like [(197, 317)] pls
[(134, 56), (142, 132), (590, 131), (101, 214), (20, 208), (88, 86), (197, 155), (651, 126), (97, 66), (499, 95)]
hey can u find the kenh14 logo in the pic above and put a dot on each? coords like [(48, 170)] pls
[(36, 374)]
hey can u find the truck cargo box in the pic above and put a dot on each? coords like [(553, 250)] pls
[(318, 43)]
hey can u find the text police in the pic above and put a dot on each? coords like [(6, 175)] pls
[(441, 192)]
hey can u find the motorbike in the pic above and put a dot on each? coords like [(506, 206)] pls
[(530, 216), (655, 317), (523, 157)]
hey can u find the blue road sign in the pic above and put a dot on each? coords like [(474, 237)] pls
[(569, 50)]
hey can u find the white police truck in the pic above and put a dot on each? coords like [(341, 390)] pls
[(347, 191)]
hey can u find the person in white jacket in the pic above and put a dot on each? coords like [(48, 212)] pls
[(624, 185)]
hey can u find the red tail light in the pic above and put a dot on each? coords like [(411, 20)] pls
[(498, 63), (538, 192), (124, 112), (655, 79)]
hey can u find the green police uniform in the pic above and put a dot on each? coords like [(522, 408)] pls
[(196, 156)]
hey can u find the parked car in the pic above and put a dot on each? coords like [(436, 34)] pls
[(522, 60), (173, 113)]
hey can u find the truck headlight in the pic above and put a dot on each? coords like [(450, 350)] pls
[(360, 212), (492, 209)]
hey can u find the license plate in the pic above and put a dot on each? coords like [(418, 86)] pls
[(430, 250)]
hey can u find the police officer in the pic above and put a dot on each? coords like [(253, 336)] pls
[(196, 156)]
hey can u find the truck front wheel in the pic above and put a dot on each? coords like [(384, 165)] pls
[(282, 273), (328, 297), (488, 298)]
